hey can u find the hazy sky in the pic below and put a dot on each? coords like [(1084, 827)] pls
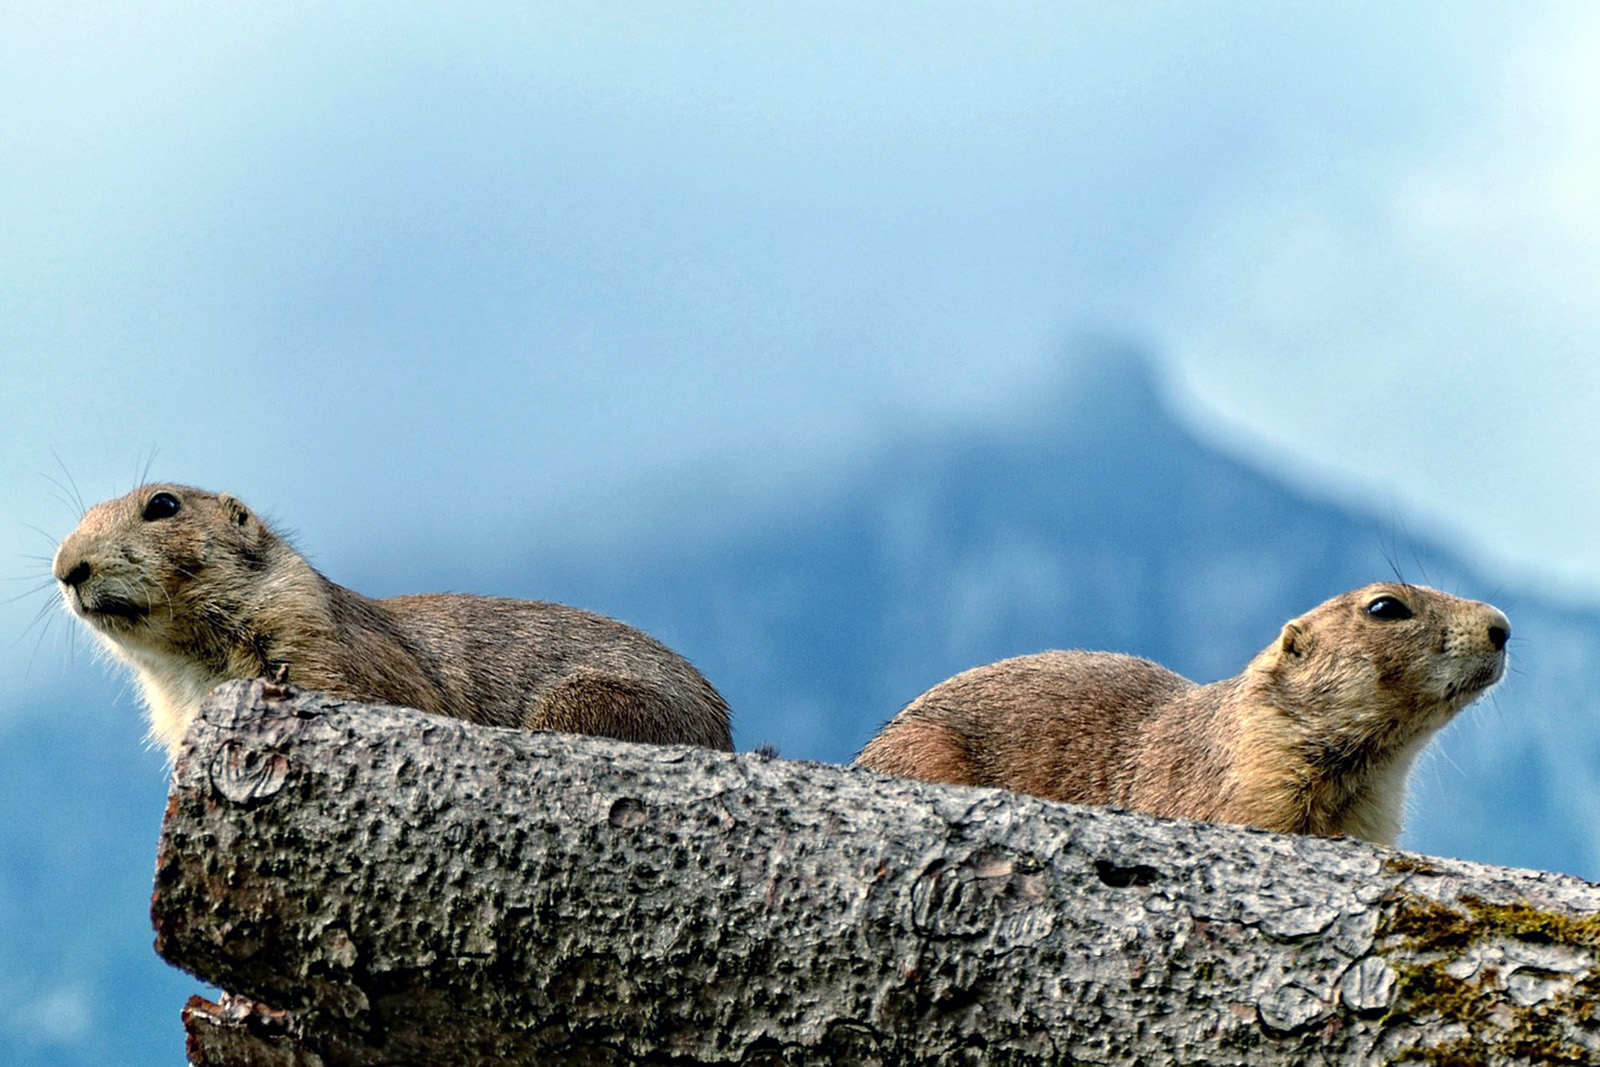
[(425, 278)]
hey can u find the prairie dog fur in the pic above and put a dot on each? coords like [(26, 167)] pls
[(191, 588), (1315, 736)]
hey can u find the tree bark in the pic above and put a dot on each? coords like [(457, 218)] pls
[(403, 888)]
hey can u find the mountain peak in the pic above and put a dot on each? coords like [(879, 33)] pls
[(1111, 377), (1099, 391)]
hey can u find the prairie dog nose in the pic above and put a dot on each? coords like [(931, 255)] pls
[(77, 574), (1499, 629)]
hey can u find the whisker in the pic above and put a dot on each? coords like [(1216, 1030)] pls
[(63, 495), (46, 534), (1421, 566), (1492, 700), (1444, 755), (27, 592), (47, 617), (31, 577), (45, 614), (60, 497), (1391, 554), (76, 495)]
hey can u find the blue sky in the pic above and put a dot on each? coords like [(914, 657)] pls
[(428, 279)]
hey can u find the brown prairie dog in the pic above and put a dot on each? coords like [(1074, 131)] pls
[(191, 588), (1315, 736)]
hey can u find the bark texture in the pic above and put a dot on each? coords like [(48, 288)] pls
[(418, 890)]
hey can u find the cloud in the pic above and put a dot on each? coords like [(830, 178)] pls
[(1419, 319), (51, 1017), (418, 278)]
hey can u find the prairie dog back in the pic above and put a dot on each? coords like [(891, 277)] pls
[(1316, 735)]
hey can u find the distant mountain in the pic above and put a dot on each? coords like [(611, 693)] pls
[(1096, 520)]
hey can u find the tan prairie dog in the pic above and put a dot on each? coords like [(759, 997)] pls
[(1316, 736), (191, 588)]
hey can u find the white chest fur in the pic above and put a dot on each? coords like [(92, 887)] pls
[(173, 689)]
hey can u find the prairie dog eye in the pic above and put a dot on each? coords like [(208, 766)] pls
[(161, 506), (1389, 609)]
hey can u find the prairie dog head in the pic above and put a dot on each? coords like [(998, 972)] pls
[(1374, 672), (164, 570)]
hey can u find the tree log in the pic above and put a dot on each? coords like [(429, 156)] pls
[(403, 888)]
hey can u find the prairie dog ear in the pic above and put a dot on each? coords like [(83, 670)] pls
[(1293, 641), (235, 510)]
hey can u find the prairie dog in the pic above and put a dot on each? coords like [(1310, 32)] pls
[(1315, 736), (191, 588)]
